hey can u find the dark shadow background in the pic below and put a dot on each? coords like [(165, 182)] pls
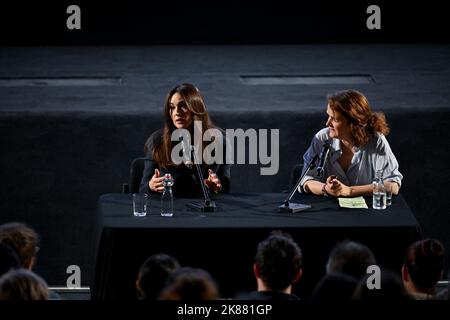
[(220, 22)]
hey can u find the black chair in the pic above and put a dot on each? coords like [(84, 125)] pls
[(296, 172), (136, 170)]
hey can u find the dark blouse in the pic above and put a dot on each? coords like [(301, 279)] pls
[(186, 180)]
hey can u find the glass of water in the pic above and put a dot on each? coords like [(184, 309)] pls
[(140, 204), (388, 195)]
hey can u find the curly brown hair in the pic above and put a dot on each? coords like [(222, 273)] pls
[(23, 239), (355, 107)]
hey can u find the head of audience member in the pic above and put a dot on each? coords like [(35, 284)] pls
[(22, 284), (390, 288), (350, 118), (351, 258), (8, 259), (153, 274), (423, 267), (190, 284), (335, 286), (23, 239), (278, 263)]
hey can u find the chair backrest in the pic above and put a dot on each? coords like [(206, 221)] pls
[(136, 170), (295, 175)]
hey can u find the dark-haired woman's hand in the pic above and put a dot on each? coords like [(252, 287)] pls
[(156, 182), (213, 181)]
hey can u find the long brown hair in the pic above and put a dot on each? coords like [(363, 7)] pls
[(196, 105), (355, 107)]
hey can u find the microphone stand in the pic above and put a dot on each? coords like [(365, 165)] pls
[(296, 207), (207, 205)]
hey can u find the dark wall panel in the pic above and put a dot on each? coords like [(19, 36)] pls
[(55, 166)]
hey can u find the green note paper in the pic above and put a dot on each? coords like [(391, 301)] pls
[(357, 202)]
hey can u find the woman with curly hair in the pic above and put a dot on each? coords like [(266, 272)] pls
[(358, 149)]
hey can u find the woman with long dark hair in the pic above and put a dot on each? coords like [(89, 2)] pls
[(184, 108)]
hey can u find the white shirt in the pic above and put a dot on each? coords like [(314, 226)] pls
[(375, 155)]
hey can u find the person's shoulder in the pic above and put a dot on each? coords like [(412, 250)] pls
[(154, 139), (323, 135), (156, 134), (219, 129), (379, 141), (223, 133)]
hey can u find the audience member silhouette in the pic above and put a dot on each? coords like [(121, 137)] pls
[(423, 267), (153, 274), (351, 258), (335, 286), (391, 289), (190, 284), (8, 259), (278, 265), (22, 284), (23, 239)]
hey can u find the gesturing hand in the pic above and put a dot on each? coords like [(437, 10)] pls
[(213, 181), (156, 182)]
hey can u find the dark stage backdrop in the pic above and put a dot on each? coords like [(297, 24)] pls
[(56, 165), (136, 22)]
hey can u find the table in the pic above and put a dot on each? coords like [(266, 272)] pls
[(224, 242)]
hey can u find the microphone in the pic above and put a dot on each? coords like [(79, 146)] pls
[(323, 158), (186, 153), (207, 205)]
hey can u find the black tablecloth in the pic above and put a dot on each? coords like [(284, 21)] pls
[(224, 242)]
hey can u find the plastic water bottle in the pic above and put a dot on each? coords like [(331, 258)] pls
[(167, 196), (379, 192)]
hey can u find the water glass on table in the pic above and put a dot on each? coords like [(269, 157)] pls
[(388, 195), (140, 204)]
